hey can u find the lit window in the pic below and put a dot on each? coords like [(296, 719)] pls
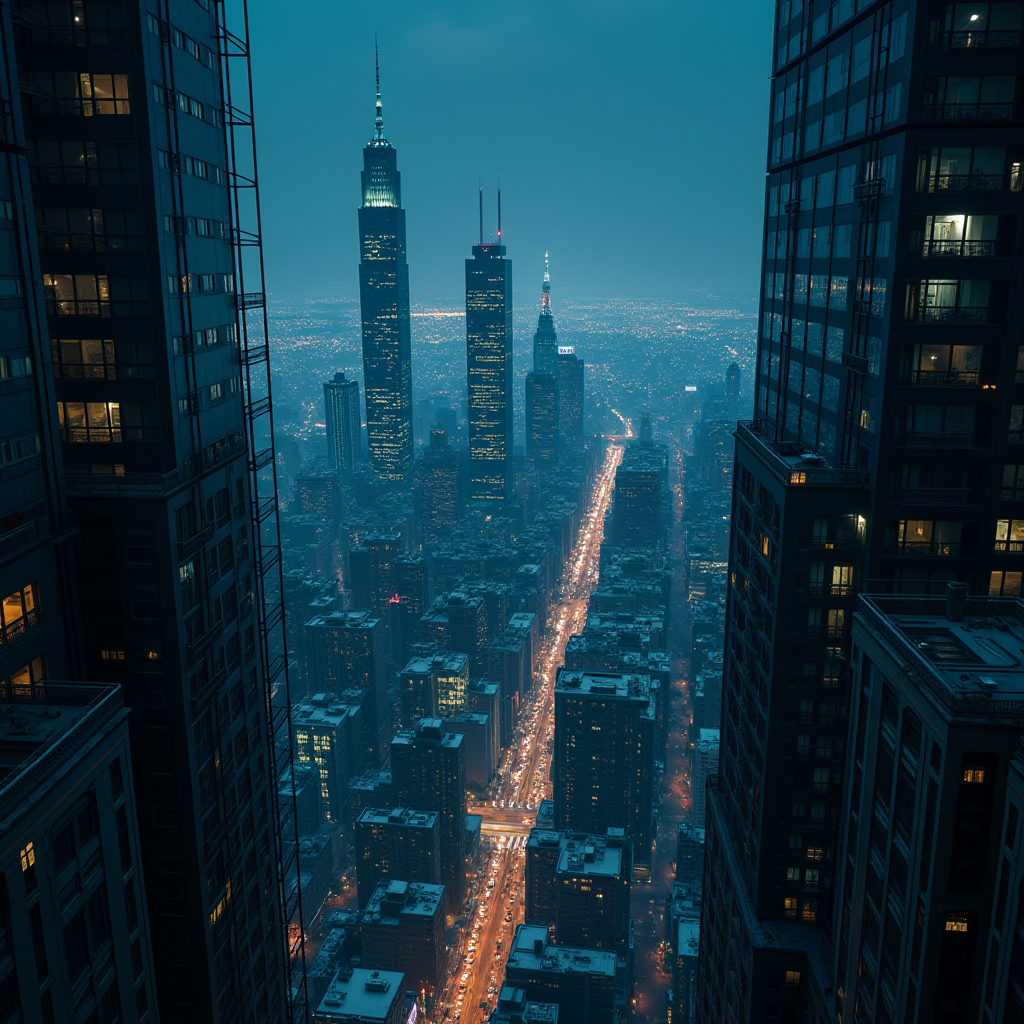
[(793, 977), (112, 655), (956, 921), (28, 857), (974, 775), (789, 904)]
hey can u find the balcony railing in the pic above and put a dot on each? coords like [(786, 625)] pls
[(967, 183), (938, 548), (959, 247), (940, 438), (20, 627), (945, 378), (51, 106), (967, 112), (996, 39), (52, 174), (935, 495), (950, 314), (830, 590), (836, 543)]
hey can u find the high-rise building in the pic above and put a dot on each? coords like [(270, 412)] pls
[(570, 400), (489, 372), (403, 929), (931, 903), (384, 306), (428, 773), (545, 339), (396, 843), (371, 570), (347, 650), (344, 422), (439, 488), (603, 761), (70, 826), (583, 983), (154, 299), (638, 511), (541, 409), (880, 448), (579, 886)]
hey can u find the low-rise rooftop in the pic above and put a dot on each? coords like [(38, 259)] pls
[(531, 951)]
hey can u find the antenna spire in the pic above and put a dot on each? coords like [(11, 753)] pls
[(499, 209), (481, 191), (378, 136), (545, 296)]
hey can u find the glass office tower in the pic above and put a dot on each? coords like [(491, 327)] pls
[(384, 305), (136, 198), (882, 456), (489, 375)]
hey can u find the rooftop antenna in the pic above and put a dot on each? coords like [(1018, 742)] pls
[(499, 209), (481, 190), (379, 122)]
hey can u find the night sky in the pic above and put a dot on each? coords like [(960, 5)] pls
[(629, 136)]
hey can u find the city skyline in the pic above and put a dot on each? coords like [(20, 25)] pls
[(554, 77), (664, 668)]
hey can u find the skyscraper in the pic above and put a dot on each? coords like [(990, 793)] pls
[(429, 774), (439, 487), (384, 306), (541, 409), (602, 765), (545, 340), (489, 371), (881, 455), (344, 423), (570, 400), (153, 303)]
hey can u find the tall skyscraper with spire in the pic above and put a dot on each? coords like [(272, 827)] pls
[(545, 340), (489, 369), (384, 304), (541, 405)]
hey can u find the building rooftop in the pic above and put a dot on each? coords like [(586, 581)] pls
[(793, 464), (603, 684), (590, 855), (43, 731), (440, 662), (312, 714), (969, 659), (431, 729), (390, 900), (345, 620), (357, 994), (397, 816), (513, 1008), (531, 951)]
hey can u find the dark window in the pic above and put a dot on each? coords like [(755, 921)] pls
[(38, 942), (116, 778)]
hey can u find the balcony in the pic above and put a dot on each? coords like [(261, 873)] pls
[(940, 438), (1011, 547), (14, 631), (998, 39), (949, 314), (945, 378), (935, 495), (967, 112), (929, 548), (959, 247)]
